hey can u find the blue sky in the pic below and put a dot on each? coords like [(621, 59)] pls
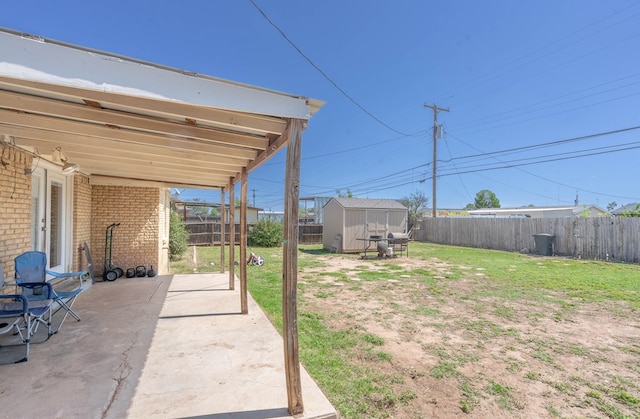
[(529, 85)]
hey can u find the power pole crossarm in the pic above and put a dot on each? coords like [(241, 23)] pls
[(436, 109)]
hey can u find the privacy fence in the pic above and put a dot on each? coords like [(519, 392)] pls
[(207, 233), (600, 238)]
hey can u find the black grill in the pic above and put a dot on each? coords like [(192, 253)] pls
[(399, 242)]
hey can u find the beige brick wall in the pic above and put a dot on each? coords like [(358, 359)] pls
[(141, 239), (15, 208), (137, 240), (81, 219)]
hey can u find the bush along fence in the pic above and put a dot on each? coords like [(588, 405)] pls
[(598, 238)]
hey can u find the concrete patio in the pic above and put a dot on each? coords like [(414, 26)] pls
[(166, 347)]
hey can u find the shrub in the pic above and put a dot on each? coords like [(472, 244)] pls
[(266, 233), (178, 236)]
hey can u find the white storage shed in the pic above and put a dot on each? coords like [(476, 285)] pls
[(347, 221)]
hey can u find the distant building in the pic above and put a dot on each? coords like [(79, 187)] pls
[(189, 213), (271, 216), (542, 212), (318, 204), (449, 213)]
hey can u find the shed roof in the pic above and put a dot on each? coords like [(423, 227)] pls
[(126, 120), (369, 203)]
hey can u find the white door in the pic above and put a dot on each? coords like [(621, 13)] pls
[(49, 215)]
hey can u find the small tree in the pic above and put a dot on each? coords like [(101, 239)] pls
[(178, 236), (632, 213), (348, 194), (611, 206), (485, 199), (266, 233), (416, 203)]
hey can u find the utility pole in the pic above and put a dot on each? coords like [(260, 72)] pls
[(435, 130), (254, 197)]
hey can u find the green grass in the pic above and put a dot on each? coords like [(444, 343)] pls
[(584, 279), (345, 362)]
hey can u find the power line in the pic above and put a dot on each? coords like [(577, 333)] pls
[(359, 148), (329, 79), (496, 74), (406, 176), (516, 161), (495, 117), (555, 182), (459, 177), (559, 112), (504, 165), (537, 146)]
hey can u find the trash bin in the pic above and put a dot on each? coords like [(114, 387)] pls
[(544, 243)]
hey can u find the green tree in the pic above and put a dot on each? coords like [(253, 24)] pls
[(178, 236), (347, 194), (416, 203), (632, 213), (485, 199), (611, 206)]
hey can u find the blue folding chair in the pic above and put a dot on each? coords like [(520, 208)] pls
[(31, 266), (21, 317)]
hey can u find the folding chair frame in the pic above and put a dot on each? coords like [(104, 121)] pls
[(64, 299)]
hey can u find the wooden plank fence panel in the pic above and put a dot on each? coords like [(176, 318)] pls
[(208, 233), (598, 238)]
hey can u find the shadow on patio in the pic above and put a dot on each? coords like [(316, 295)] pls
[(164, 347)]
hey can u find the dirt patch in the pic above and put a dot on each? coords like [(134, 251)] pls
[(458, 347)]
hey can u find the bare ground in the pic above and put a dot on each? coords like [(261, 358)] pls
[(460, 348)]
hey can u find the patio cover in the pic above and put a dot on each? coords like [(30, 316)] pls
[(128, 122), (124, 120)]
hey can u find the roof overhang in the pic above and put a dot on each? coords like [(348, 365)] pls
[(124, 120)]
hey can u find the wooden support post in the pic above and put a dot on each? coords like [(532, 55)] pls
[(222, 229), (244, 306), (290, 269), (232, 236)]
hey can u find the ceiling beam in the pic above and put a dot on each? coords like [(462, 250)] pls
[(100, 116), (47, 141), (121, 181), (184, 177), (121, 135)]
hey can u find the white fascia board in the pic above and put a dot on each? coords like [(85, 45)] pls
[(37, 59)]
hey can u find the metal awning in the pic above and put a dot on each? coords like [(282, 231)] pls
[(125, 121)]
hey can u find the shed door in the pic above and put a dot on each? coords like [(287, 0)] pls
[(377, 223)]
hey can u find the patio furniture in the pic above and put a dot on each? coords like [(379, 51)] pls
[(31, 267), (21, 317)]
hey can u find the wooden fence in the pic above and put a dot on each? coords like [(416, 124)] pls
[(598, 238), (207, 233)]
